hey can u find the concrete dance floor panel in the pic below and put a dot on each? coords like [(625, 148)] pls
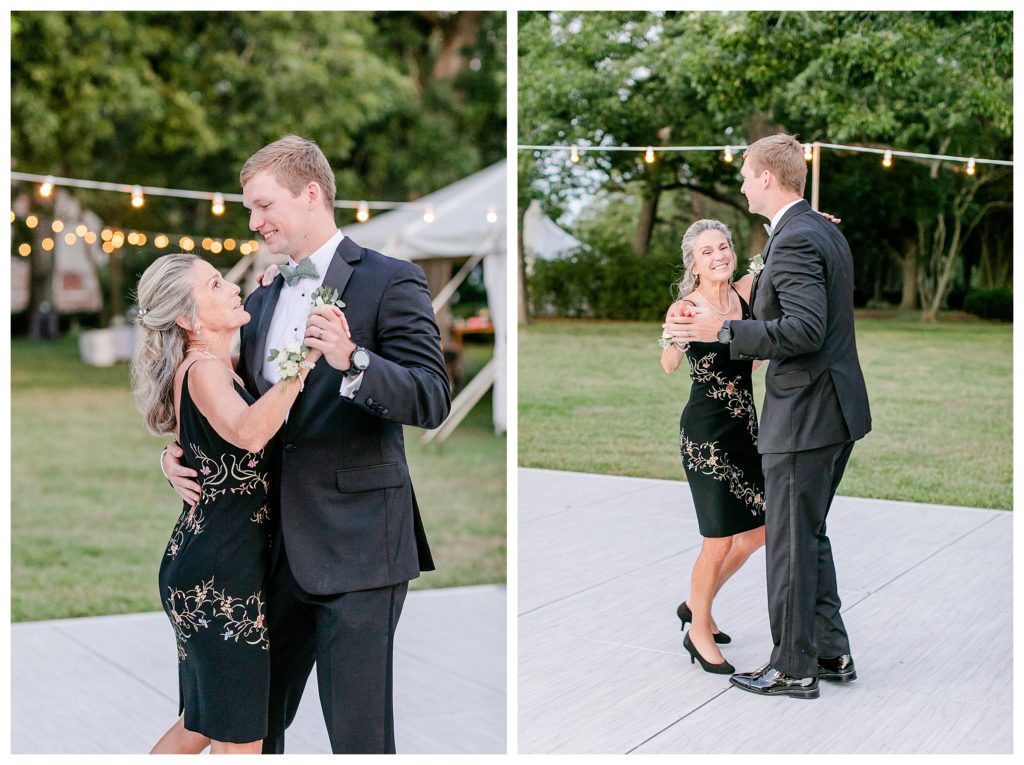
[(605, 560), (109, 684)]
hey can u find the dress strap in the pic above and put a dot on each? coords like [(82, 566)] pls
[(744, 305)]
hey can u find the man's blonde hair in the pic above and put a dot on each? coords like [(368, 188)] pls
[(295, 162), (782, 156)]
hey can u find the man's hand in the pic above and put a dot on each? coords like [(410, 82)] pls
[(701, 326), (179, 475), (327, 331), (268, 276)]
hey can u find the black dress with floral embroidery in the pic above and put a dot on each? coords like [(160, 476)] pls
[(718, 441), (211, 584)]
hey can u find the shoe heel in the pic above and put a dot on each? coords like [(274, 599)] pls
[(812, 693)]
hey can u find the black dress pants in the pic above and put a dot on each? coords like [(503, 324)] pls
[(803, 597), (350, 637)]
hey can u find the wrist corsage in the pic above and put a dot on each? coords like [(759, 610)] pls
[(292, 357)]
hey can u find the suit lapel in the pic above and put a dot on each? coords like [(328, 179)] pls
[(340, 270), (254, 356)]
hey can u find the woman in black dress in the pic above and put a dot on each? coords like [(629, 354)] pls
[(717, 437), (211, 577)]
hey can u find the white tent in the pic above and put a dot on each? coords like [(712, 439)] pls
[(468, 224), (543, 239)]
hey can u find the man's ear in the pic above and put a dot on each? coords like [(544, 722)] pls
[(314, 194)]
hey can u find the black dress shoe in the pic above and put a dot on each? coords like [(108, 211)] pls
[(837, 669), (768, 681), (723, 668), (686, 615)]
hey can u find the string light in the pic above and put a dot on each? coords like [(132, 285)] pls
[(25, 250), (808, 152), (47, 188), (229, 244), (574, 155), (492, 214), (970, 166), (133, 238), (254, 246), (47, 244), (106, 235), (649, 155), (161, 241), (138, 200), (57, 226), (117, 240), (70, 238), (81, 229), (363, 213), (186, 243), (90, 237), (142, 239), (887, 158), (13, 216), (428, 215), (217, 208), (207, 243), (727, 155), (244, 248), (108, 247), (216, 247), (31, 221)]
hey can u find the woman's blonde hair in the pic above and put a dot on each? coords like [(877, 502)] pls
[(690, 282), (165, 294)]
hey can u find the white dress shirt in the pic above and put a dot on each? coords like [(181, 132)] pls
[(778, 216), (293, 308)]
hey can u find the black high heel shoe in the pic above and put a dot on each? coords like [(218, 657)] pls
[(725, 668), (686, 615)]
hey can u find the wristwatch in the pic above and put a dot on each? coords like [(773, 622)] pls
[(725, 333), (358, 362)]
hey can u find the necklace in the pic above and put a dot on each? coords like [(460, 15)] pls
[(206, 353), (728, 303)]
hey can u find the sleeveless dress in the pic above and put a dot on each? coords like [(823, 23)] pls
[(718, 441), (211, 583)]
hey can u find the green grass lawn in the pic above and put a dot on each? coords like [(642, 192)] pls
[(91, 513), (593, 398)]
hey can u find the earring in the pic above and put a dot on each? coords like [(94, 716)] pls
[(198, 330), (696, 281)]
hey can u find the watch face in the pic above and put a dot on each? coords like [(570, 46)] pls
[(361, 359)]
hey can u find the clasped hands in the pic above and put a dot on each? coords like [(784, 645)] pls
[(692, 324)]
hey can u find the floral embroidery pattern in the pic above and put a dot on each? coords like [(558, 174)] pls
[(263, 514), (203, 606), (711, 461), (739, 401), (214, 475)]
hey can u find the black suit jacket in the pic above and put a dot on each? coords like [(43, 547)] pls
[(346, 511), (803, 307)]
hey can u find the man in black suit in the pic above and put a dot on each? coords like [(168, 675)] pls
[(815, 407), (348, 535)]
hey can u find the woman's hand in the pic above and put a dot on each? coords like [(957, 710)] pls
[(268, 276), (830, 216)]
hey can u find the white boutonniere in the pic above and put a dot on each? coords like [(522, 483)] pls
[(756, 265), (293, 356)]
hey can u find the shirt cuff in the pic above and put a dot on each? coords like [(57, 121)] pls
[(350, 385)]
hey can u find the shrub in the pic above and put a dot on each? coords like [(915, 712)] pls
[(990, 304)]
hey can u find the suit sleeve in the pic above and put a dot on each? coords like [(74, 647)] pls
[(798, 277), (407, 380)]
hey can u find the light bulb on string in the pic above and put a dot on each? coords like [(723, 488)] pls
[(47, 244), (574, 155), (57, 226), (186, 243), (428, 215), (970, 166), (70, 238), (244, 248), (216, 247), (133, 238), (363, 212), (141, 240), (108, 247), (13, 216), (207, 243), (492, 214), (887, 158), (90, 237), (47, 188), (217, 206), (727, 154), (808, 152), (649, 155), (25, 250), (254, 246), (138, 200), (229, 244), (81, 229), (106, 235), (31, 221), (161, 241)]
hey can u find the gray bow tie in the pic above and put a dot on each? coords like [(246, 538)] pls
[(306, 269), (768, 229)]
